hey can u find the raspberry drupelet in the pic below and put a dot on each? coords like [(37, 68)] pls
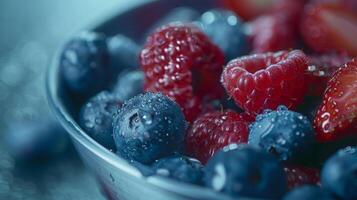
[(264, 81), (181, 62)]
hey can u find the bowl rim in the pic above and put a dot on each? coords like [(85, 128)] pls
[(77, 133)]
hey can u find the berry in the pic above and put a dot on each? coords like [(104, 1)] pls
[(129, 84), (326, 149), (287, 135), (180, 14), (248, 9), (35, 139), (330, 27), (179, 61), (123, 53), (96, 118), (219, 25), (298, 176), (270, 33), (320, 70), (149, 127), (245, 171), (212, 131), (339, 174), (289, 11), (308, 193), (181, 168), (83, 64), (336, 116), (264, 81), (349, 4)]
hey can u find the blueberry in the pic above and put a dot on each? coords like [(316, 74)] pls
[(241, 170), (96, 118), (339, 174), (35, 139), (181, 168), (129, 84), (225, 30), (286, 134), (180, 14), (83, 64), (308, 193), (123, 53), (149, 127)]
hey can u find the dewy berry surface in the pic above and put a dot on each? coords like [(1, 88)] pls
[(241, 86), (308, 192), (264, 81), (84, 64), (182, 168), (286, 134), (148, 127), (321, 69), (245, 171), (339, 173), (337, 115), (298, 176), (212, 131), (219, 25), (181, 62), (96, 117)]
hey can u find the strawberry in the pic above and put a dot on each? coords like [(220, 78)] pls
[(330, 27), (321, 68), (337, 115)]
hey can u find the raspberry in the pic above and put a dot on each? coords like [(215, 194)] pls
[(264, 81), (212, 131), (180, 61), (298, 176)]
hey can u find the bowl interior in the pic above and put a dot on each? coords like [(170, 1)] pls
[(133, 23)]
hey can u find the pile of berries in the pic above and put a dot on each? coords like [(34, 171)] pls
[(167, 104)]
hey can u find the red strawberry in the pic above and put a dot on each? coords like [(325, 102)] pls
[(182, 63), (298, 176), (248, 9), (321, 68), (265, 81), (337, 115), (330, 27), (212, 131)]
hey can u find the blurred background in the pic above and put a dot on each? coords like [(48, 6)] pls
[(30, 33)]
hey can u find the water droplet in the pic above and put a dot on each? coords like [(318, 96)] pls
[(219, 178)]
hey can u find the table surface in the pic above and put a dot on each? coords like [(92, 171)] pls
[(30, 32)]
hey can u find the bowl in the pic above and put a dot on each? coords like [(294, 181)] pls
[(120, 180)]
